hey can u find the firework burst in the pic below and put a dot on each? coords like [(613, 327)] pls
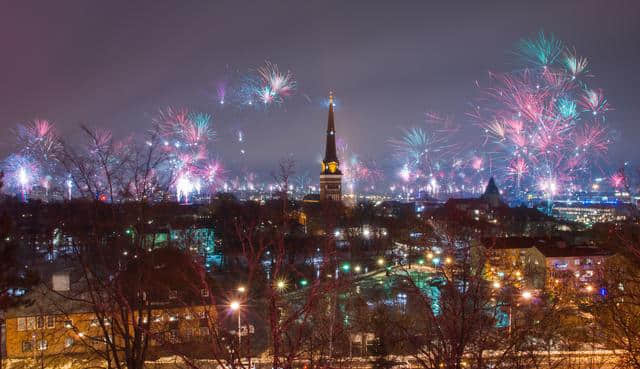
[(545, 124)]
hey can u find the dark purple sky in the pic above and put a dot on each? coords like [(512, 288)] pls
[(115, 63)]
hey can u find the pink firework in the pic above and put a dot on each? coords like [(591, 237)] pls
[(517, 167), (545, 117), (617, 180), (593, 138), (594, 101), (280, 84)]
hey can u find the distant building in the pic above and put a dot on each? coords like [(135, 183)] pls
[(540, 261), (590, 214), (578, 264), (331, 176)]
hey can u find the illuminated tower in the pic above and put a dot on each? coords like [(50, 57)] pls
[(331, 176)]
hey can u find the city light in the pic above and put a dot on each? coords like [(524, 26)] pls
[(235, 305)]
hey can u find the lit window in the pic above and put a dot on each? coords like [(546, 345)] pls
[(204, 292), (51, 321), (27, 346), (31, 323), (22, 324), (68, 342), (42, 345)]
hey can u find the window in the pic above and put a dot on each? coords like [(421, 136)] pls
[(31, 323), (202, 314), (173, 336), (576, 261), (40, 322), (42, 345), (51, 321), (27, 346), (22, 324), (173, 294), (68, 342), (68, 324), (204, 331), (204, 292)]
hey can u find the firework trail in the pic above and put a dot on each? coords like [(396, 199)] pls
[(545, 125)]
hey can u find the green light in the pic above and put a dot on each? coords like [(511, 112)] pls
[(303, 282), (420, 261), (128, 231), (346, 267)]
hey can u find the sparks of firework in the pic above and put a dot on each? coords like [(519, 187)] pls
[(542, 51), (405, 173), (281, 84), (221, 92), (575, 64), (594, 101), (618, 179), (549, 186), (21, 173), (543, 123), (38, 140)]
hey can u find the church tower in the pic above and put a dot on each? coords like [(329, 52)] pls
[(331, 177)]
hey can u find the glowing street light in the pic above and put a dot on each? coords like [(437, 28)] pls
[(496, 285), (235, 306), (281, 285), (527, 295), (242, 289), (380, 261)]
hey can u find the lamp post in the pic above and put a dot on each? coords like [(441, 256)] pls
[(235, 306)]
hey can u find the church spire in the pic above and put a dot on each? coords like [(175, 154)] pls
[(331, 155), (331, 177)]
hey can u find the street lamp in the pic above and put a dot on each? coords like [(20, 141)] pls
[(281, 285), (380, 261), (235, 306), (526, 295), (242, 289)]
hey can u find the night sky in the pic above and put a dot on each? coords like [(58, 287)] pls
[(115, 63)]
